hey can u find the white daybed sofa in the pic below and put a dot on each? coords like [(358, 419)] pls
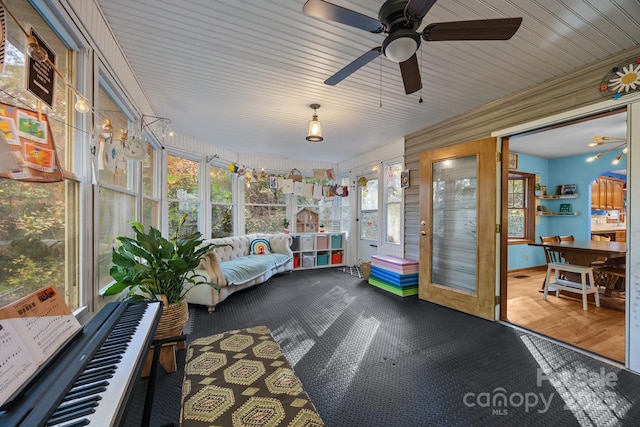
[(234, 267)]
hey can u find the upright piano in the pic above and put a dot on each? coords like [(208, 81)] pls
[(90, 380)]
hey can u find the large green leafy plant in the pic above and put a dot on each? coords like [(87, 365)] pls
[(150, 267)]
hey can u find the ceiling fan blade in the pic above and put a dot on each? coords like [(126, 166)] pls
[(411, 75), (419, 8), (482, 29), (329, 11), (354, 66)]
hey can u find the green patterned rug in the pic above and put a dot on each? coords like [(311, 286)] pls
[(241, 378)]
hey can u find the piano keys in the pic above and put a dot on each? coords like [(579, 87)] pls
[(90, 381)]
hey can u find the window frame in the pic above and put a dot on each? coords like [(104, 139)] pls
[(529, 208), (386, 166)]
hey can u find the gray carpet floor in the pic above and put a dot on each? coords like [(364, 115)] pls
[(370, 358)]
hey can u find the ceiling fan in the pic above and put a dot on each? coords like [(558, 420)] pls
[(400, 20)]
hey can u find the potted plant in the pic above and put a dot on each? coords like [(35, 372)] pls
[(285, 222), (150, 268), (539, 189), (321, 228)]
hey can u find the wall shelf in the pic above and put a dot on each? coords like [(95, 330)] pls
[(549, 213), (557, 196)]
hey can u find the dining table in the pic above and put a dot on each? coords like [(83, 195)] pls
[(585, 252)]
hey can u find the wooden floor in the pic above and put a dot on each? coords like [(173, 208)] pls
[(599, 329)]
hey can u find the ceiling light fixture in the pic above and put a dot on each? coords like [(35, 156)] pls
[(602, 140), (315, 129), (401, 45)]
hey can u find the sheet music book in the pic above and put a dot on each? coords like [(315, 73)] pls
[(32, 329)]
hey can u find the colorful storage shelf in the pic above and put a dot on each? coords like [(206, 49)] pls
[(393, 274)]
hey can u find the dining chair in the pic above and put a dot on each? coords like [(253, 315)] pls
[(550, 255)]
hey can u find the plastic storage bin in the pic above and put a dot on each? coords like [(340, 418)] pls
[(322, 259), (306, 243), (322, 243), (336, 258), (308, 260), (295, 244), (336, 241)]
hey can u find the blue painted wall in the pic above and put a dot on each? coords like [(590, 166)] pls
[(554, 172)]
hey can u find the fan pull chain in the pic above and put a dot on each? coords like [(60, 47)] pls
[(380, 81), (420, 101)]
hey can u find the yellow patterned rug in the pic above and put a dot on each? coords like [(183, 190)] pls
[(241, 378)]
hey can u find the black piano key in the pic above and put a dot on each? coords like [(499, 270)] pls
[(111, 360), (57, 420), (73, 410), (88, 390), (97, 377)]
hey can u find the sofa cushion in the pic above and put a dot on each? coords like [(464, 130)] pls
[(246, 268), (260, 247)]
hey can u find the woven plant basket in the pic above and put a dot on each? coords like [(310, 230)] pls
[(174, 317), (365, 269), (295, 175)]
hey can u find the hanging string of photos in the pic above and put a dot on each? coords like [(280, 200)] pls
[(322, 184)]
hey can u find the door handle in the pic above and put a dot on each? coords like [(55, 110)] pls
[(424, 233)]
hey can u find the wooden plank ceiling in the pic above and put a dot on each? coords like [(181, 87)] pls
[(240, 74)]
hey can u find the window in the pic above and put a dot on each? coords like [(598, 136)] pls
[(150, 190), (117, 185), (343, 206), (182, 193), (521, 207), (393, 203), (221, 198), (265, 208), (39, 235), (369, 210), (323, 206)]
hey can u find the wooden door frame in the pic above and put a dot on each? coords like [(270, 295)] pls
[(504, 223)]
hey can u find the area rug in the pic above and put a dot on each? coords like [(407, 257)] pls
[(241, 378)]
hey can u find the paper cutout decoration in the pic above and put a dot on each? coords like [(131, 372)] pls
[(28, 135), (317, 191), (110, 154), (331, 174), (298, 188), (135, 148), (307, 190), (287, 186)]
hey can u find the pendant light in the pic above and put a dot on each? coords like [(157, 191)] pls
[(315, 129)]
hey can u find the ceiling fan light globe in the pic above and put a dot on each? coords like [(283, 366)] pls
[(400, 49)]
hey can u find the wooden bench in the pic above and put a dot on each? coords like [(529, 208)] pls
[(585, 287)]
